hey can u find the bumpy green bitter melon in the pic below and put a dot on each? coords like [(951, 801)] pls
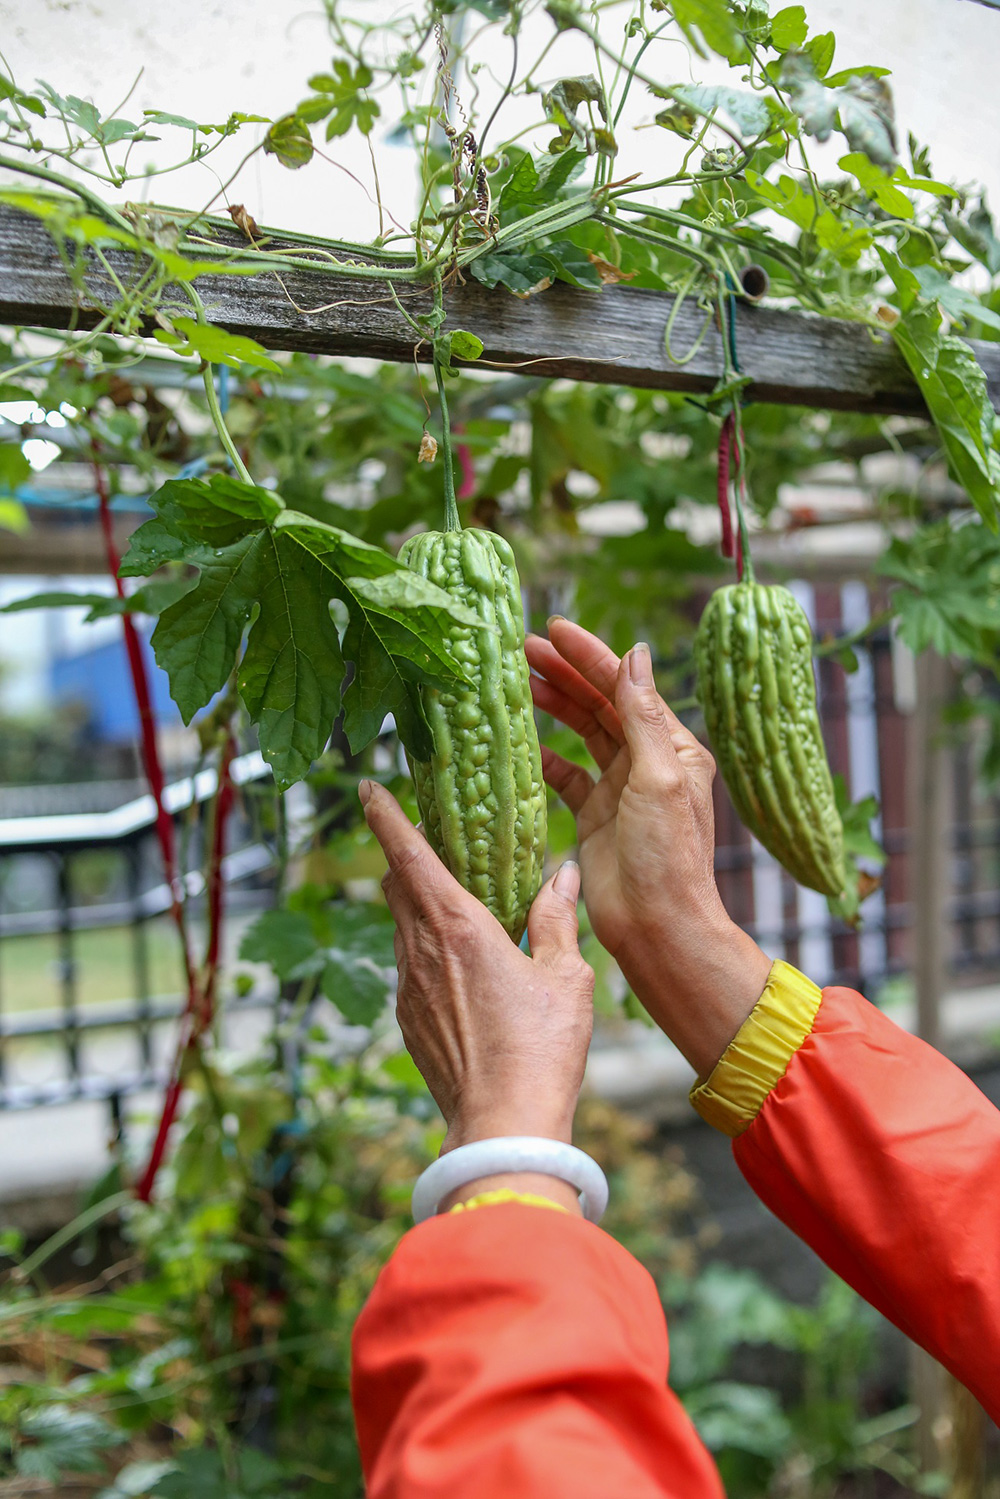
[(753, 653), (481, 795)]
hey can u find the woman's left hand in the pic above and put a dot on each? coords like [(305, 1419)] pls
[(500, 1038)]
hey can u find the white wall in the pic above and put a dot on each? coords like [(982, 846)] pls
[(206, 59)]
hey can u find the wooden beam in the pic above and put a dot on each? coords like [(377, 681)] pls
[(612, 337)]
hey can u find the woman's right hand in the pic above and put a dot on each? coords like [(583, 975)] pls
[(646, 837)]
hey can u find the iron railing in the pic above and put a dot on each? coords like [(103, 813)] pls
[(45, 1056)]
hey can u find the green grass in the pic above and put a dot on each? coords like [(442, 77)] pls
[(105, 967)]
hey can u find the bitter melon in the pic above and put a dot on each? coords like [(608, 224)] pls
[(481, 795), (753, 653)]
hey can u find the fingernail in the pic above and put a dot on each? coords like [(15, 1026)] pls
[(567, 881), (555, 618), (640, 665), (364, 792)]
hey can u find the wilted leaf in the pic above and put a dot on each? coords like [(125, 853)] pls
[(289, 140)]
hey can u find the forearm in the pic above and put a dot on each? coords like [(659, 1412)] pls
[(699, 984), (881, 1155), (513, 1350)]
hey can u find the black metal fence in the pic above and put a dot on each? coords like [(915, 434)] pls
[(90, 972)]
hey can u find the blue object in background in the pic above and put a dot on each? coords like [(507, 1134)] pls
[(100, 679)]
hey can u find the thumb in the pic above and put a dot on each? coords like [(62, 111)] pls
[(552, 921), (645, 722)]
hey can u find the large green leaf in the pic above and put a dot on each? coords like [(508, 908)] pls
[(197, 639), (949, 594), (292, 668), (953, 384), (214, 512), (379, 686)]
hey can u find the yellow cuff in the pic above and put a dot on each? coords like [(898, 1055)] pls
[(758, 1055), (504, 1194)]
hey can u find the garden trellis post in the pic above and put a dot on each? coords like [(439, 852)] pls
[(615, 336)]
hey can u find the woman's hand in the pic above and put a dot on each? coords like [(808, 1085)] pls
[(500, 1038), (647, 841)]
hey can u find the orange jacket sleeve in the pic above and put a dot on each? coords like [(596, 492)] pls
[(885, 1158), (512, 1350)]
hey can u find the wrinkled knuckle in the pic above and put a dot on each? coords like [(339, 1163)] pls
[(451, 924), (407, 864), (667, 783), (579, 972)]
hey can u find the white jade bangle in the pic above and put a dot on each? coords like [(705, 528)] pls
[(516, 1154)]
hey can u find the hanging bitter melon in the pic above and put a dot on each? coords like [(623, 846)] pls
[(481, 795), (753, 653)]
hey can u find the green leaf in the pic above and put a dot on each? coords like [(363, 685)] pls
[(877, 184), (413, 621), (789, 199), (197, 639), (289, 140), (706, 24), (345, 945), (57, 1439), (284, 939), (862, 70), (535, 184), (955, 300), (975, 234), (465, 345), (862, 108), (857, 818), (746, 1417), (820, 49), (953, 384), (151, 546), (867, 118), (292, 669), (788, 28), (749, 112), (197, 513), (13, 517), (379, 687), (111, 131), (520, 272), (356, 988), (160, 117), (98, 605), (9, 392), (215, 345), (137, 1480), (14, 467), (9, 90), (949, 600), (343, 94)]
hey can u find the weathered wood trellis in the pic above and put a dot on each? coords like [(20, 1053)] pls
[(614, 336)]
